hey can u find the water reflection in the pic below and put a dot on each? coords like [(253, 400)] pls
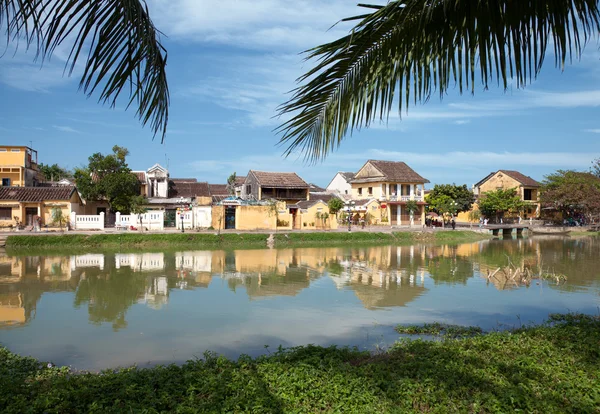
[(108, 285)]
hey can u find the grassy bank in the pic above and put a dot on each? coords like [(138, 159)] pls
[(553, 368), (231, 240)]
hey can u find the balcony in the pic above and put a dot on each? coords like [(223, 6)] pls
[(402, 198)]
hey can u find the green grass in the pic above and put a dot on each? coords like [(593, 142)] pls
[(552, 368), (228, 240)]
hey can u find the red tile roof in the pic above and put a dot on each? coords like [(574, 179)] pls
[(522, 178), (141, 176), (218, 190), (239, 180), (187, 189), (36, 194), (393, 171), (279, 179)]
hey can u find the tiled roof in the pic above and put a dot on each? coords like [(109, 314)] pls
[(522, 178), (305, 204), (141, 176), (239, 180), (316, 188), (184, 180), (36, 194), (348, 176), (396, 171), (279, 179), (321, 196), (218, 190), (188, 189)]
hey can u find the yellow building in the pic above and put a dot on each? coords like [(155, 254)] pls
[(527, 188), (26, 204), (19, 166), (393, 183)]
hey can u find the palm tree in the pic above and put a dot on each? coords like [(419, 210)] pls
[(407, 50), (116, 38)]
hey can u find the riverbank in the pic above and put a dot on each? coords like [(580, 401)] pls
[(234, 240), (550, 368)]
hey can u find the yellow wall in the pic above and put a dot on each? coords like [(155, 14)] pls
[(378, 192), (15, 174), (503, 181), (13, 158), (204, 201)]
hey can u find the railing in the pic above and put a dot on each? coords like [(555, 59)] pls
[(401, 198), (83, 222), (154, 220)]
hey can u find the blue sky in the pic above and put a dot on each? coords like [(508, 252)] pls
[(231, 64)]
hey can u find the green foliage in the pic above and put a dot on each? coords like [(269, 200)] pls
[(109, 178), (412, 206), (496, 203), (443, 205), (436, 328), (551, 368), (54, 172), (474, 215), (460, 194), (570, 190), (231, 183), (335, 205), (406, 51), (59, 218), (282, 223), (114, 42)]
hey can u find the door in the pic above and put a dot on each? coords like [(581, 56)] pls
[(230, 218), (393, 214), (170, 218), (30, 213)]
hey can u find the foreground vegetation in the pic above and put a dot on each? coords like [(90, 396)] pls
[(553, 368), (205, 240)]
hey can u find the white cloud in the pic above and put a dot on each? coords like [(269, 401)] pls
[(594, 131), (254, 24), (63, 128), (462, 121), (457, 166)]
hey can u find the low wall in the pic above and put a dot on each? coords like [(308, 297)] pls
[(87, 222), (152, 220)]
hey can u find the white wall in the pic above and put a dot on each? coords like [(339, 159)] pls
[(202, 216), (339, 185), (152, 220), (82, 222)]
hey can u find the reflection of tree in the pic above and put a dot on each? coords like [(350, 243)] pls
[(109, 295), (291, 283), (450, 269)]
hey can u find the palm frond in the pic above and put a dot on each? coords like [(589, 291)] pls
[(116, 38), (413, 48)]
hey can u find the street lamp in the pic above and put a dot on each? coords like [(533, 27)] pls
[(349, 208), (181, 200)]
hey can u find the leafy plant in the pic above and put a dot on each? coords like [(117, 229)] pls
[(406, 51), (498, 202), (59, 218), (335, 205), (115, 40)]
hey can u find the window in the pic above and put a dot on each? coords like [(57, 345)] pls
[(248, 189), (2, 149), (370, 190), (15, 150), (5, 213), (6, 182), (527, 194), (359, 190)]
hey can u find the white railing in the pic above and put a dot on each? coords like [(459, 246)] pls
[(152, 220), (87, 260), (83, 222), (188, 220)]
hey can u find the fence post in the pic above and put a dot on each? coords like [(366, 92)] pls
[(73, 220), (117, 219), (102, 220)]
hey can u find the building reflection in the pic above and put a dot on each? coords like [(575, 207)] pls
[(108, 285)]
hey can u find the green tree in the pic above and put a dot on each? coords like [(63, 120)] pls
[(335, 204), (412, 207), (231, 183), (54, 172), (407, 50), (114, 39), (109, 178), (498, 202), (444, 205), (596, 167), (463, 197), (571, 190)]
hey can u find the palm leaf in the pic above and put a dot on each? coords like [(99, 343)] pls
[(413, 48), (116, 38)]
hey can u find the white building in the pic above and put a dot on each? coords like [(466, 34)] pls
[(341, 183)]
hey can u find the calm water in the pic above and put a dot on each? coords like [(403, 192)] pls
[(97, 311)]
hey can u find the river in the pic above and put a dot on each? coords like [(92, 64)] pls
[(104, 310)]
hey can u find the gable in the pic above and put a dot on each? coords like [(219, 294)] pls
[(498, 180), (368, 171)]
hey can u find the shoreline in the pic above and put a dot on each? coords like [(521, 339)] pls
[(201, 240), (552, 367)]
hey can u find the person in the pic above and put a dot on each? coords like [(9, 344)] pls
[(480, 222), (519, 219), (453, 224), (485, 222)]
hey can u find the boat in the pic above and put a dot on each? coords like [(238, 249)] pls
[(550, 230)]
